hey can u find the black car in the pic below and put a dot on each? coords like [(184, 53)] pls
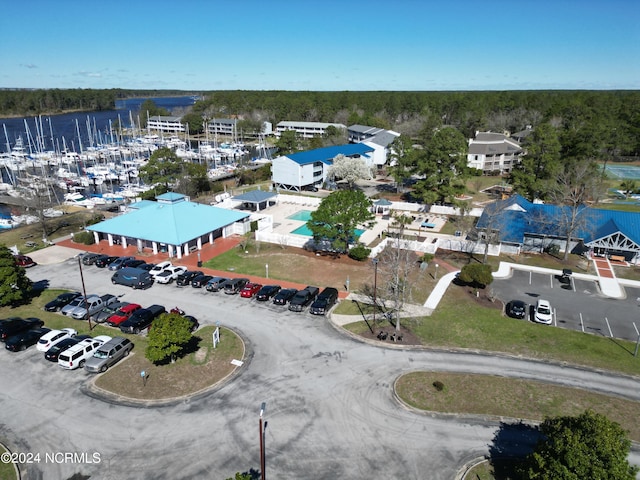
[(60, 301), (25, 339), (303, 298), (517, 309), (194, 322), (61, 346), (267, 292), (133, 263), (90, 258), (185, 278), (105, 260), (327, 298), (200, 281), (141, 319), (284, 296), (16, 325), (146, 266)]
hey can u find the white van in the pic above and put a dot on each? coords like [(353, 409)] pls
[(76, 355)]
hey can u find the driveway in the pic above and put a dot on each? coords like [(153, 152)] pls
[(330, 410)]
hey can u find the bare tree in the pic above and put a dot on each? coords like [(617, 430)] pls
[(576, 185), (396, 263)]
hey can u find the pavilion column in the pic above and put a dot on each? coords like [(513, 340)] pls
[(154, 245), (211, 238), (110, 239), (199, 243), (139, 245), (123, 241), (186, 249), (96, 237)]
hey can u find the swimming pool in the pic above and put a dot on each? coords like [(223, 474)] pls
[(304, 230), (302, 216)]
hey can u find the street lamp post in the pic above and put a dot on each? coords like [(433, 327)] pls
[(375, 288), (262, 460), (266, 266), (436, 274), (84, 292)]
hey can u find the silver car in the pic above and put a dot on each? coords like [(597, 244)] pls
[(108, 354)]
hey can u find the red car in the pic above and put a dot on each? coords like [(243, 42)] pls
[(250, 289), (122, 314), (24, 261)]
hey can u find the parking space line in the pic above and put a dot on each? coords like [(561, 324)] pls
[(581, 322), (634, 326), (530, 277), (551, 281), (609, 327), (555, 318)]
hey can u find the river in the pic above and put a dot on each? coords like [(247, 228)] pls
[(80, 129)]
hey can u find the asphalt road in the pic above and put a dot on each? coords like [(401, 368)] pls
[(330, 410), (578, 305)]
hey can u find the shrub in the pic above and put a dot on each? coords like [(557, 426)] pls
[(359, 252), (86, 238), (476, 274), (438, 385)]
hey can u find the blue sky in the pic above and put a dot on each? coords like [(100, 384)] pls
[(321, 44)]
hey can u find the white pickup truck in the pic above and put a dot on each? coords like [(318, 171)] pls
[(93, 305)]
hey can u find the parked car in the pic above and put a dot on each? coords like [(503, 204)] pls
[(76, 356), (194, 322), (108, 354), (234, 285), (23, 340), (15, 325), (325, 300), (93, 305), (24, 261), (107, 311), (122, 314), (146, 266), (250, 289), (119, 262), (141, 319), (105, 260), (54, 336), (132, 277), (71, 306), (61, 300), (133, 263), (267, 292), (303, 298), (543, 312), (200, 281), (61, 346), (284, 296), (159, 268), (90, 258), (185, 278), (517, 309), (169, 274), (215, 284)]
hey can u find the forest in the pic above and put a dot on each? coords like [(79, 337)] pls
[(613, 115), (27, 102)]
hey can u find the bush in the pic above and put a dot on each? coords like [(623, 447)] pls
[(86, 238), (476, 274), (438, 385), (359, 252)]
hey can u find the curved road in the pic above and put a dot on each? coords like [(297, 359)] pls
[(330, 411)]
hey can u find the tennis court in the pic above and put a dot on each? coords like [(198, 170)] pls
[(627, 172)]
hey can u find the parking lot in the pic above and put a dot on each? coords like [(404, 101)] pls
[(577, 305)]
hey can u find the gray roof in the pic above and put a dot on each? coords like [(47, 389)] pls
[(365, 129), (165, 118), (384, 138), (489, 143), (255, 196)]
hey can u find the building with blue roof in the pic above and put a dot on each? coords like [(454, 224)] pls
[(173, 224), (308, 170), (533, 227)]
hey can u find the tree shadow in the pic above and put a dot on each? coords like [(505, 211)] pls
[(510, 444)]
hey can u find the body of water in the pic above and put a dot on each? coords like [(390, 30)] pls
[(83, 128)]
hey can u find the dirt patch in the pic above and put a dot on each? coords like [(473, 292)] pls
[(385, 333)]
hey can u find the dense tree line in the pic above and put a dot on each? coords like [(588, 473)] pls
[(418, 114), (26, 102)]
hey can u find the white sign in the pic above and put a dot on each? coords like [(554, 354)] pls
[(216, 337)]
